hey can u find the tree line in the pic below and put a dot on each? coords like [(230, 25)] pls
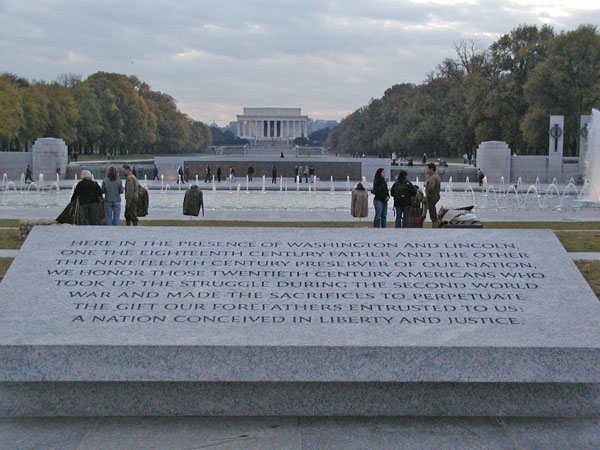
[(505, 92), (105, 113)]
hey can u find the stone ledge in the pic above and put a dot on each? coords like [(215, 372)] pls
[(300, 399)]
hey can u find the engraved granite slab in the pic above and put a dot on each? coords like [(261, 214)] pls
[(431, 308)]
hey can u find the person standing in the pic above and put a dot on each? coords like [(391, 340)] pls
[(186, 173), (207, 175), (403, 191), (219, 174), (180, 175), (311, 172), (250, 173), (112, 187), (433, 187), (231, 173), (28, 174), (132, 191), (480, 176), (274, 175), (134, 171), (306, 173), (155, 173), (424, 160), (299, 173), (89, 195), (382, 195)]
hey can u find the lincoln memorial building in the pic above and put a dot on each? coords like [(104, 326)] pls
[(272, 124)]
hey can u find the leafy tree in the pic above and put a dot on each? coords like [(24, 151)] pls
[(36, 117), (564, 83), (11, 113)]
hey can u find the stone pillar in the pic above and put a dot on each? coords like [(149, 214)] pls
[(493, 158), (555, 147), (49, 154), (584, 129)]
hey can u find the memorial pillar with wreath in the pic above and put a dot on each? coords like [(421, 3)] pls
[(584, 128), (555, 148)]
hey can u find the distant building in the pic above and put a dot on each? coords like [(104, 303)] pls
[(272, 124)]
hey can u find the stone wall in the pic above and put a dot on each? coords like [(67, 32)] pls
[(323, 169), (528, 167), (339, 168), (459, 173), (14, 164)]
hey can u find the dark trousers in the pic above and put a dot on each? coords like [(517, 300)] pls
[(88, 214), (432, 211), (402, 216)]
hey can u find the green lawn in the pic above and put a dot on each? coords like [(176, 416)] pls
[(10, 240), (4, 265), (584, 241), (591, 272)]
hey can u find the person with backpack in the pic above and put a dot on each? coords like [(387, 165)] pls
[(132, 192), (403, 191)]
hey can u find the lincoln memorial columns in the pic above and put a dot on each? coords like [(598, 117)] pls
[(272, 124)]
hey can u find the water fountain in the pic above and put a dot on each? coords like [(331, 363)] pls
[(280, 183), (449, 185), (263, 184), (348, 184), (56, 184), (592, 161), (247, 180), (331, 182)]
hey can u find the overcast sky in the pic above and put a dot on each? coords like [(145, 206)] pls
[(215, 57)]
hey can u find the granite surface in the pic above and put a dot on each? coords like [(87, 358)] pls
[(300, 433), (301, 399), (93, 309)]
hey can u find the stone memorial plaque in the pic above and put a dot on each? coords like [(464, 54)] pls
[(90, 313)]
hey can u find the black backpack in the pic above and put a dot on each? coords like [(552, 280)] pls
[(403, 193)]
